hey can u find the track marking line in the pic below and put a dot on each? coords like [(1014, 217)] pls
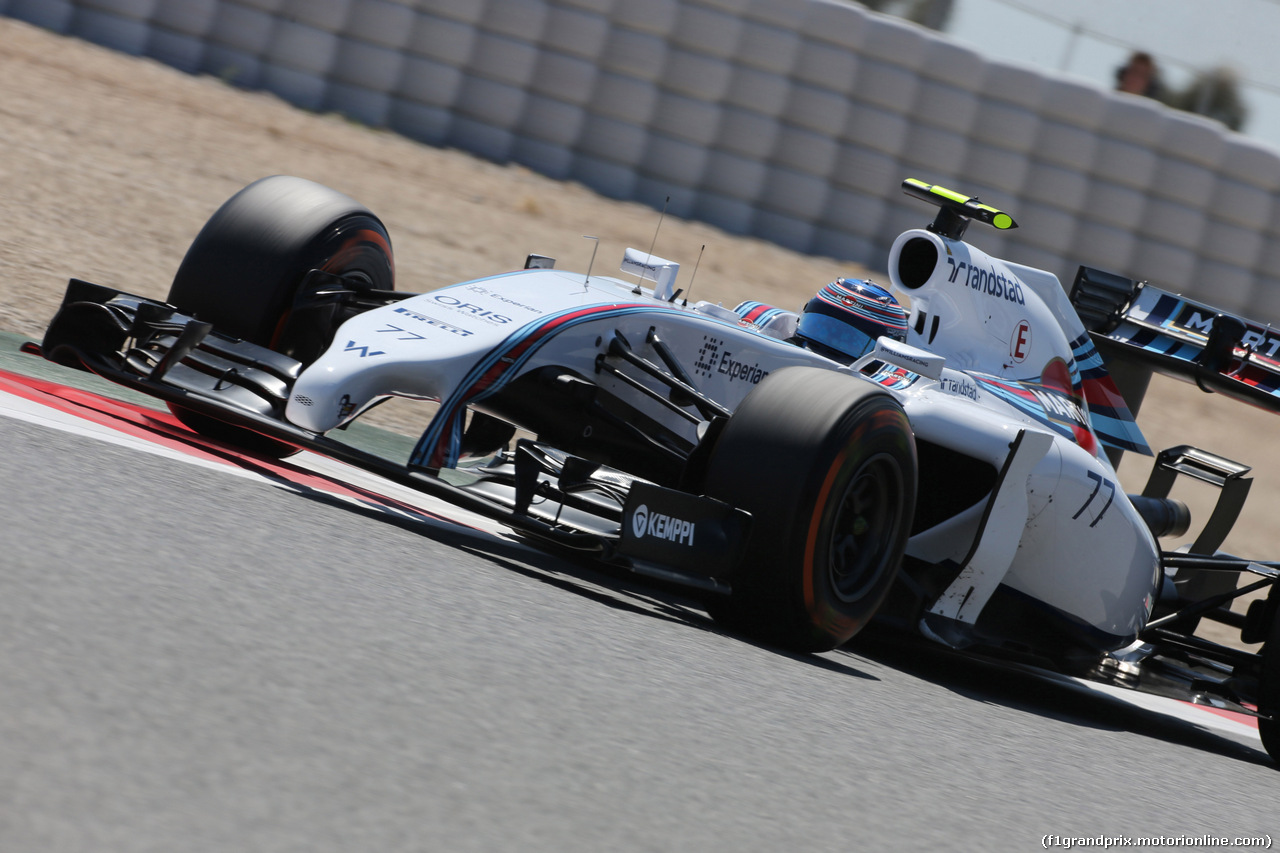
[(160, 433)]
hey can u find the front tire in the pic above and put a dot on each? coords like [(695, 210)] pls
[(826, 465), (246, 266)]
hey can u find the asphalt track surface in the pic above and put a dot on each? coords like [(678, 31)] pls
[(196, 661)]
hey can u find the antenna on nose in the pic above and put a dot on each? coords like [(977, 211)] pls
[(592, 262), (661, 216), (692, 276)]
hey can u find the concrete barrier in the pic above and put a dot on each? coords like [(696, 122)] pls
[(793, 120)]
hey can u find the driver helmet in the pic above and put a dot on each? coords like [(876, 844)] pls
[(847, 316)]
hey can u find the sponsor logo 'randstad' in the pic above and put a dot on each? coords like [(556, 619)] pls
[(658, 526), (962, 387)]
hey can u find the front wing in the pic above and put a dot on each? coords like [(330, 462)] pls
[(556, 497)]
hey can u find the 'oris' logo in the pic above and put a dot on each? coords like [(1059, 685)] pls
[(471, 309)]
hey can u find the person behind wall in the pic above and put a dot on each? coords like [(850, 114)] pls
[(1140, 76)]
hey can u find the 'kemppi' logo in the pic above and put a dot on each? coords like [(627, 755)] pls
[(658, 526)]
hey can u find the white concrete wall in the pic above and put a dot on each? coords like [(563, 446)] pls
[(793, 120)]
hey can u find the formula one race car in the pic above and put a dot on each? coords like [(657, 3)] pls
[(949, 468)]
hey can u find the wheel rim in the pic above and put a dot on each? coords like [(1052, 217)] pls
[(864, 527)]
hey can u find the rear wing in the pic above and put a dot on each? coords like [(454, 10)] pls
[(1140, 329)]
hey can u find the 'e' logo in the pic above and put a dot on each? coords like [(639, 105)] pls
[(1021, 343)]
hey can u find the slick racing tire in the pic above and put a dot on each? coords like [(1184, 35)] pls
[(247, 264), (826, 465)]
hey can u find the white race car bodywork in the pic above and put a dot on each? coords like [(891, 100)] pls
[(1008, 325), (464, 343), (957, 479), (989, 357)]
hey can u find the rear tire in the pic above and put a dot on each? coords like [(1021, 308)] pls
[(826, 465), (244, 268)]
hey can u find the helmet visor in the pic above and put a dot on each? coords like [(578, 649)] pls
[(835, 334)]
